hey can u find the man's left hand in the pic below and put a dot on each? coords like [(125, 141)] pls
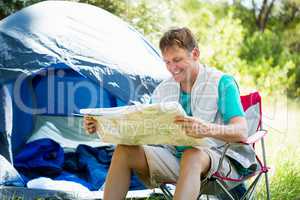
[(193, 127)]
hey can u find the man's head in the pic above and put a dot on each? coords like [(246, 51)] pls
[(179, 37), (180, 53)]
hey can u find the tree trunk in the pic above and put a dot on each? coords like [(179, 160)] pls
[(263, 13)]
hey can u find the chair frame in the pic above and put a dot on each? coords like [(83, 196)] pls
[(247, 101)]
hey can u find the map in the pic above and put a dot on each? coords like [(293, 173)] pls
[(141, 124)]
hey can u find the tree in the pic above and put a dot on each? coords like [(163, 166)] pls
[(8, 7), (255, 11), (262, 13), (289, 15)]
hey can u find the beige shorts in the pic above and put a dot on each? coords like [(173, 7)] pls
[(164, 165)]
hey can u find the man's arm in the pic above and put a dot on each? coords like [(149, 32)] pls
[(234, 131)]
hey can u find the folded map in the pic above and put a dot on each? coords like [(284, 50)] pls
[(141, 124)]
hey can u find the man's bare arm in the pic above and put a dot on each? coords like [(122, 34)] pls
[(235, 131)]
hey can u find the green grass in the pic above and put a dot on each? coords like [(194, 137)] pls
[(283, 153), (285, 182)]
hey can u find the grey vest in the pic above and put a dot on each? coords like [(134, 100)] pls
[(204, 105)]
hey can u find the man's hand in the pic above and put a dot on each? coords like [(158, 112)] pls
[(193, 127), (90, 124)]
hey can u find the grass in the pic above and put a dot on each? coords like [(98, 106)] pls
[(282, 121), (285, 182)]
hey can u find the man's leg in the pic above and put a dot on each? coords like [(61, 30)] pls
[(124, 160), (195, 163)]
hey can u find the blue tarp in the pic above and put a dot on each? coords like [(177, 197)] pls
[(87, 166)]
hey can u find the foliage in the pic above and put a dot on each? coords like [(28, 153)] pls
[(145, 15), (291, 41), (245, 15), (267, 62), (220, 38), (265, 57), (223, 43), (228, 34), (262, 46), (285, 183), (117, 7), (8, 7)]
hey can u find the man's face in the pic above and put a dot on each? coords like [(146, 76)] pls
[(180, 62)]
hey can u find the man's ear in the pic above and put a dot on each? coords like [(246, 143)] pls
[(196, 53)]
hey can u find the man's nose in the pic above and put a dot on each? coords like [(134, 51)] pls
[(172, 66)]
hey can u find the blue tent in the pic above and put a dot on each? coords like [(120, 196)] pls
[(57, 57)]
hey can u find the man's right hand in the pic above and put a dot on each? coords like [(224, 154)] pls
[(90, 124)]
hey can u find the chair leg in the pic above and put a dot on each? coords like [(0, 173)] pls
[(250, 190), (167, 194), (267, 186), (199, 196), (224, 189), (265, 164)]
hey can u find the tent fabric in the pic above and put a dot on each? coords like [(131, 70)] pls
[(50, 39), (54, 56), (94, 43), (57, 94), (67, 131), (49, 94), (62, 185), (8, 174), (5, 123)]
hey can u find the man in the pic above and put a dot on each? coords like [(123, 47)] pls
[(211, 101)]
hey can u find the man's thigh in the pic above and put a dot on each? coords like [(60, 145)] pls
[(164, 166), (226, 169)]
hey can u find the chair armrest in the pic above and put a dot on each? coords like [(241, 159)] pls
[(250, 140), (255, 137)]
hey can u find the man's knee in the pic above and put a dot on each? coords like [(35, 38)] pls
[(197, 158), (128, 150), (134, 155)]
